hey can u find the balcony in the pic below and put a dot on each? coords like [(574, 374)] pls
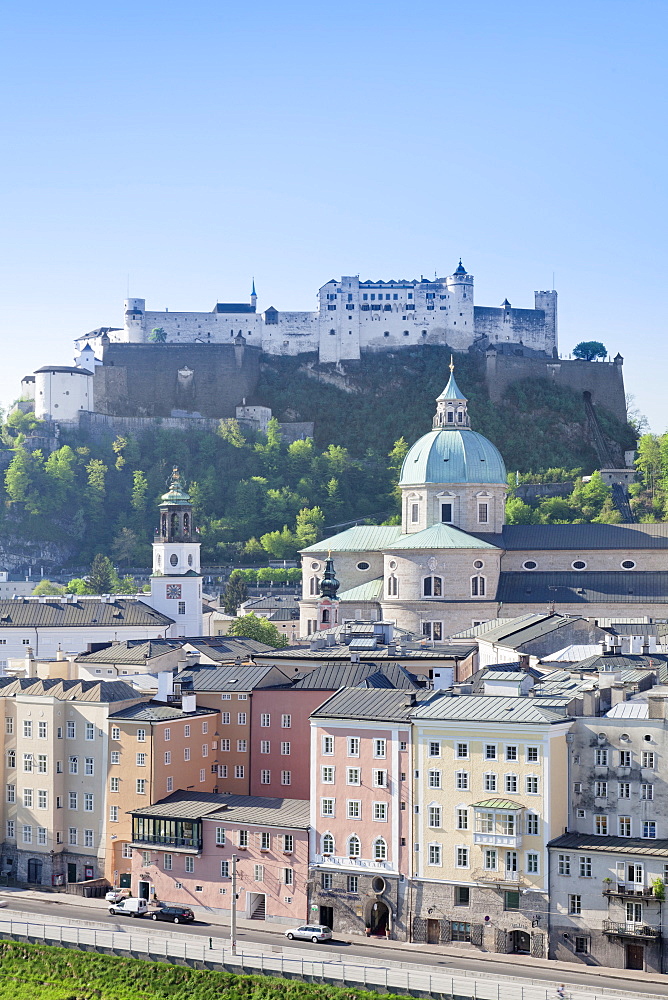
[(624, 890), (496, 839), (630, 930), (160, 843), (500, 878)]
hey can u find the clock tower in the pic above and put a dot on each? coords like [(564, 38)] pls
[(176, 582)]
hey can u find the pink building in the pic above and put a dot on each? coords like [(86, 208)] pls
[(280, 757), (361, 810), (183, 848)]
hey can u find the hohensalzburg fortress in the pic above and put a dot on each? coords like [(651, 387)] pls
[(354, 317)]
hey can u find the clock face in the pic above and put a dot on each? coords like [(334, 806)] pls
[(173, 591)]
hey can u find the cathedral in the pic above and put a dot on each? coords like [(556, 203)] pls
[(454, 563)]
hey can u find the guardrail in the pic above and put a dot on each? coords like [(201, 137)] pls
[(388, 979)]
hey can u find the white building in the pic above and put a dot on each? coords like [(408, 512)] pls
[(62, 392), (176, 583)]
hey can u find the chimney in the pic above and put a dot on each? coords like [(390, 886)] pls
[(617, 694), (188, 701), (645, 648), (192, 659), (657, 706)]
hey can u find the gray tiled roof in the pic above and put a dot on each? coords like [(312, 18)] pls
[(267, 603), (442, 652), (610, 845), (153, 711), (616, 661), (519, 630), (250, 809), (487, 708), (364, 704), (70, 690), (584, 587), (229, 678), (584, 536), (228, 647), (372, 590), (132, 651), (332, 676), (84, 612)]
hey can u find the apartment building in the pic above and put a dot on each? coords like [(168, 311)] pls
[(361, 810), (609, 871), (154, 749), (183, 847), (489, 776), (55, 758)]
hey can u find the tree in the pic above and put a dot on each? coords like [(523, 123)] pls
[(102, 578), (589, 350), (518, 512), (124, 546), (280, 544), (251, 627), (157, 335), (236, 592), (310, 522), (45, 587), (78, 585), (253, 550)]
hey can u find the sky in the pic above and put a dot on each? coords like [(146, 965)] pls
[(176, 151)]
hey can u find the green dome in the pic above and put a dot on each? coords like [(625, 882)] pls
[(453, 456)]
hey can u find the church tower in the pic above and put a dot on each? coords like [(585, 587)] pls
[(328, 604), (176, 582)]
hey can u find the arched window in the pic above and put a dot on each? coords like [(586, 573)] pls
[(460, 416), (314, 585), (478, 586), (451, 417), (392, 586), (379, 849), (175, 525), (432, 586), (354, 847), (327, 844), (325, 616), (186, 523)]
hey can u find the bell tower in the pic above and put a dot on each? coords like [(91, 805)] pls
[(328, 602), (176, 582)]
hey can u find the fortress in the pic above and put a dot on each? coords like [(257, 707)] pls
[(205, 365)]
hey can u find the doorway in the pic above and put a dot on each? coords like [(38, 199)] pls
[(379, 918), (327, 916), (35, 871), (71, 872), (143, 890), (635, 957), (520, 943), (433, 931)]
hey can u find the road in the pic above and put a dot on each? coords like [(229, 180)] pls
[(51, 909)]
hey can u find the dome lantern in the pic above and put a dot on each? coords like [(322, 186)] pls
[(451, 409)]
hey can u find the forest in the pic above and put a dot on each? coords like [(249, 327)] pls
[(257, 497)]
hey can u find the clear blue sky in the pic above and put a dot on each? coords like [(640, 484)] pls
[(192, 146)]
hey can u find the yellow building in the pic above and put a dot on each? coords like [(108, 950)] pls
[(490, 781)]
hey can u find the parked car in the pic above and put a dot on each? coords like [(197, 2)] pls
[(310, 932), (116, 895), (177, 914), (132, 907)]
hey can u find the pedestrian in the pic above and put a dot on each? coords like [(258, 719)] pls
[(561, 992)]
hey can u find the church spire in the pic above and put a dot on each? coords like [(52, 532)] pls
[(329, 584), (451, 410)]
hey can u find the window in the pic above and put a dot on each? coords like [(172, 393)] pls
[(511, 899), (258, 873), (477, 586), (624, 826), (327, 774), (265, 776), (634, 913), (646, 791), (432, 586), (415, 513), (582, 945), (352, 883), (205, 749), (243, 838), (531, 821), (11, 758), (564, 864), (285, 749), (286, 777), (460, 931), (288, 876), (490, 751), (532, 755), (462, 857), (242, 746), (601, 757), (648, 759), (327, 881), (462, 751), (379, 779), (186, 754), (10, 829), (601, 826), (511, 753), (11, 793), (73, 763), (88, 802), (625, 758), (225, 746), (42, 730), (115, 757), (27, 797), (141, 759), (434, 854), (265, 720), (326, 807), (89, 766), (9, 725), (327, 746), (434, 779), (490, 860), (575, 904), (649, 829), (239, 771), (532, 863), (585, 867), (354, 809), (42, 767), (126, 851), (27, 835), (27, 729), (27, 763), (531, 784), (42, 837), (434, 749), (379, 849), (624, 790), (353, 746), (489, 780), (288, 843), (354, 847), (114, 784), (140, 786), (72, 836), (379, 748), (265, 843), (353, 776), (113, 814), (168, 734), (510, 782), (392, 586), (90, 731), (189, 865), (286, 722), (170, 784), (186, 731), (462, 779), (435, 817), (462, 819), (241, 718), (72, 800), (225, 718)]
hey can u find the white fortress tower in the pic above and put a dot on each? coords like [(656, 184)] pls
[(62, 392), (176, 583)]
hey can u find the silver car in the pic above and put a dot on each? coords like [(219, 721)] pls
[(310, 932)]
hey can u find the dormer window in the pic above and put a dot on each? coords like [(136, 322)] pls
[(446, 513), (460, 417)]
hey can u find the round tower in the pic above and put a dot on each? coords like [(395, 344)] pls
[(460, 314), (133, 324)]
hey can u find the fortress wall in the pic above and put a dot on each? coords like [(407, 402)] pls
[(209, 380), (514, 325), (603, 379), (101, 427)]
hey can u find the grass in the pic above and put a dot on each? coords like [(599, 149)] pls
[(30, 971)]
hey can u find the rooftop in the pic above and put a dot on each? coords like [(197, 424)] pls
[(360, 538), (70, 690), (153, 711), (132, 651), (55, 612), (585, 536), (584, 587), (333, 676), (231, 678), (610, 845), (253, 810), (360, 704), (488, 708), (440, 536)]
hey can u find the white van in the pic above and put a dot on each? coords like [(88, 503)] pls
[(133, 907)]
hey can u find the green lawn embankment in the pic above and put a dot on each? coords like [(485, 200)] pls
[(40, 972)]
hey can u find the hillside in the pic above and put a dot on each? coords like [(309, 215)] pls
[(255, 496)]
